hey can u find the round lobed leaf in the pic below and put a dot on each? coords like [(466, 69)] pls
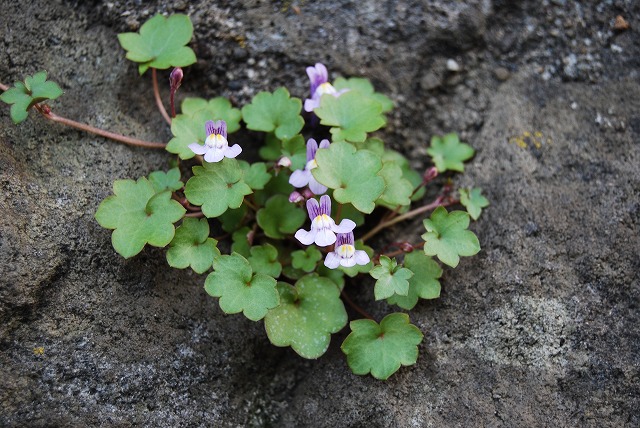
[(240, 290), (274, 112), (307, 316), (423, 284), (448, 153), (279, 217), (191, 246), (447, 236), (380, 349)]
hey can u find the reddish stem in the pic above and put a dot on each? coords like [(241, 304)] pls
[(156, 94), (45, 110), (355, 307)]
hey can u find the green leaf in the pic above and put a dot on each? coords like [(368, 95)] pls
[(448, 153), (160, 43), (169, 180), (295, 149), (408, 173), (306, 260), (23, 96), (350, 115), (359, 186), (380, 349), (364, 87), (187, 129), (424, 282), (255, 175), (264, 259), (219, 108), (274, 112), (217, 186), (473, 201), (191, 246), (447, 236), (139, 216), (240, 243), (391, 278), (232, 219), (279, 217), (239, 289), (307, 316), (347, 211), (335, 275), (397, 191), (355, 270), (277, 185)]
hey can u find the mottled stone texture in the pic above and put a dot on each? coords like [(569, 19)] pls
[(539, 329)]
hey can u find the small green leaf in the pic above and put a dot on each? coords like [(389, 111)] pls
[(295, 149), (239, 289), (216, 187), (335, 275), (255, 175), (347, 211), (380, 349), (191, 246), (364, 87), (139, 216), (424, 282), (408, 173), (391, 278), (264, 259), (448, 153), (169, 180), (307, 316), (359, 186), (277, 185), (350, 115), (473, 201), (279, 217), (397, 191), (274, 112), (23, 96), (219, 108), (306, 260), (355, 270), (447, 236), (240, 243), (160, 43)]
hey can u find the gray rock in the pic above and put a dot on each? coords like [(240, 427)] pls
[(539, 329)]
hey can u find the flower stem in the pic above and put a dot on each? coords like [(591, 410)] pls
[(156, 94), (45, 110), (409, 214)]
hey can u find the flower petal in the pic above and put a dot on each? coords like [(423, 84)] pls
[(210, 126), (311, 104), (214, 155), (325, 237), (351, 261), (221, 128), (313, 208), (312, 148), (361, 257), (300, 178), (325, 205), (324, 144), (345, 226), (198, 149), (307, 238), (233, 151), (332, 261), (314, 186)]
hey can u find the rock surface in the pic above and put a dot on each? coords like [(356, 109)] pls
[(539, 329)]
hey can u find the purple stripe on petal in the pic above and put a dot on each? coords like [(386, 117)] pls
[(313, 208), (325, 205), (210, 126), (344, 239), (221, 126), (312, 148)]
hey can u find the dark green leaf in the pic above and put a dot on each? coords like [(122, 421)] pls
[(191, 246), (279, 217)]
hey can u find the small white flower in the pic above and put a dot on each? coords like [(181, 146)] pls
[(216, 147)]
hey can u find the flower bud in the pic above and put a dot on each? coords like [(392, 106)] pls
[(430, 174), (295, 197), (284, 162), (175, 79)]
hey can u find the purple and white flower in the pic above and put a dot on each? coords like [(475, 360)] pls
[(345, 253), (323, 228), (216, 147), (303, 177), (320, 85)]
